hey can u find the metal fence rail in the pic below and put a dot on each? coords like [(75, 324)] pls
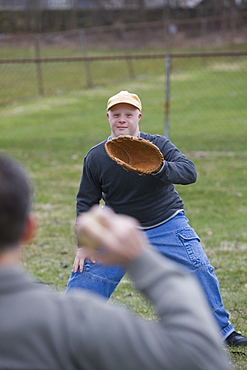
[(124, 57)]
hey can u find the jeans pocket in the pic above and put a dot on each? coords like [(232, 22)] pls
[(191, 242)]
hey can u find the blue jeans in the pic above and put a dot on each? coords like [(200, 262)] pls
[(176, 240)]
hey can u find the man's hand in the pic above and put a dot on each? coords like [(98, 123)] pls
[(80, 257), (108, 237)]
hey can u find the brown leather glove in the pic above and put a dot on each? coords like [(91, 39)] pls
[(135, 154)]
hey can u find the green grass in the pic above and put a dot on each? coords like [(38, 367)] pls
[(208, 122)]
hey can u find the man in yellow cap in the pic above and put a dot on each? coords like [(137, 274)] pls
[(124, 114), (154, 202)]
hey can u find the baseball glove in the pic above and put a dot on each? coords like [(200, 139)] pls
[(135, 154)]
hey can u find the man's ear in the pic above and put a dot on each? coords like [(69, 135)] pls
[(30, 229)]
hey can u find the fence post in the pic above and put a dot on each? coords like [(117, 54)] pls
[(130, 67), (83, 41), (38, 66), (122, 29), (203, 27), (167, 93)]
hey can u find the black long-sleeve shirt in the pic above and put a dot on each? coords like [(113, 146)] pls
[(151, 199)]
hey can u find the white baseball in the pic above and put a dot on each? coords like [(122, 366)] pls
[(91, 222)]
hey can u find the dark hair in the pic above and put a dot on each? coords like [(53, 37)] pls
[(15, 202)]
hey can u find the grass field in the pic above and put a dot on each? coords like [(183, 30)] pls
[(208, 122)]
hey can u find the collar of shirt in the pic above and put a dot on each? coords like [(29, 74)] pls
[(110, 137)]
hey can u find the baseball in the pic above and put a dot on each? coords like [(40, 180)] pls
[(89, 230)]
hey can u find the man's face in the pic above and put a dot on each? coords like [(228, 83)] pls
[(124, 120)]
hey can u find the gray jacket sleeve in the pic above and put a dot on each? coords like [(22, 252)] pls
[(185, 336)]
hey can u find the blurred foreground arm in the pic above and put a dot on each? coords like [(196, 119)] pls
[(186, 336), (99, 227), (108, 237)]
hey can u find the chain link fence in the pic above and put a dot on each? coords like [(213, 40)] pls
[(207, 91), (57, 63), (221, 78)]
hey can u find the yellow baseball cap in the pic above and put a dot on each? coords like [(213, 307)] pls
[(125, 97)]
